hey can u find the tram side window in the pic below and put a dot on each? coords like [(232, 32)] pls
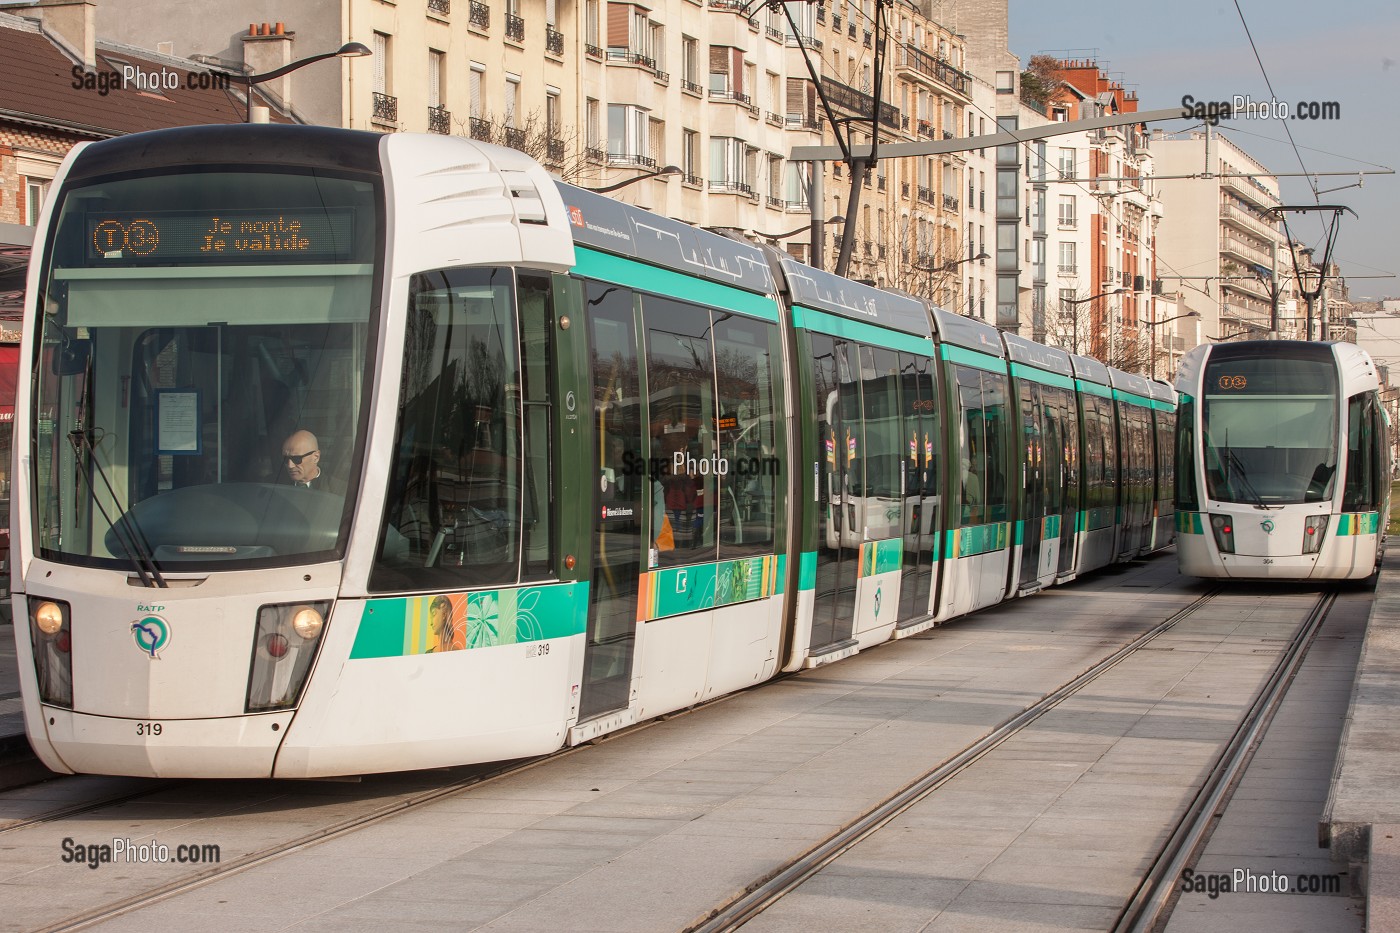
[(1363, 485), (1185, 455), (1165, 473), (454, 508), (883, 432), (1101, 455), (750, 433), (536, 395), (982, 446), (680, 385)]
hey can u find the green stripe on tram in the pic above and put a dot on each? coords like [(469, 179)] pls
[(409, 625), (837, 326), (1190, 523), (956, 354), (1358, 523), (1093, 388), (978, 539), (1022, 371), (633, 274)]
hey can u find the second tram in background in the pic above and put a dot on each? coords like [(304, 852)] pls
[(1283, 462)]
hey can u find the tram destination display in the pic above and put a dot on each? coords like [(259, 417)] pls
[(314, 234)]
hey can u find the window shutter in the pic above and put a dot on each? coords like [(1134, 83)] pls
[(618, 14)]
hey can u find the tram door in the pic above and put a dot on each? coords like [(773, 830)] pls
[(618, 541), (1032, 517), (1064, 457), (836, 399), (921, 480)]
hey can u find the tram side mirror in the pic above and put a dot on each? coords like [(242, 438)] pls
[(72, 358)]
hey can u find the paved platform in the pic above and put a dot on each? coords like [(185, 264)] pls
[(650, 830), (1366, 784), (11, 711)]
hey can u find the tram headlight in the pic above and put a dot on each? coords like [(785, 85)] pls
[(1223, 526), (51, 636), (285, 643), (1314, 530)]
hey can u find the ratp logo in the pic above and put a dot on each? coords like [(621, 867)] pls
[(152, 634), (1268, 526)]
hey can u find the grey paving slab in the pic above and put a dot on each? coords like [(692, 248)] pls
[(690, 811)]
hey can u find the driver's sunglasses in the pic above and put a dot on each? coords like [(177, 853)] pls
[(295, 459)]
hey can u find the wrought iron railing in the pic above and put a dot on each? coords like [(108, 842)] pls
[(731, 187), (479, 14), (737, 97), (439, 120), (853, 101), (553, 40), (442, 7), (515, 27), (592, 51), (627, 158), (950, 203), (692, 87), (515, 138), (554, 151), (386, 107), (479, 129)]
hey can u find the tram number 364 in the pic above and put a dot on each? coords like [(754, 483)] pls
[(148, 728)]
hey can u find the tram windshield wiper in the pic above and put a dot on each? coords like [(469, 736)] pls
[(124, 528), (1241, 475)]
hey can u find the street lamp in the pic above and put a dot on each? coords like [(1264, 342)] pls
[(950, 266), (838, 219), (348, 50), (1076, 302), (1153, 325), (664, 170)]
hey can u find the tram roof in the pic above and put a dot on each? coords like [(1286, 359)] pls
[(1130, 382), (966, 332), (826, 291), (1052, 359), (1086, 367), (1161, 391), (614, 227)]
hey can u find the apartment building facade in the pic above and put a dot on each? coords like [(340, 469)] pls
[(1218, 244)]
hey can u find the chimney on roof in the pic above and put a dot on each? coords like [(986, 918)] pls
[(70, 23), (267, 47)]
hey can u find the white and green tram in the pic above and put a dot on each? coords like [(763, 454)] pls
[(347, 453)]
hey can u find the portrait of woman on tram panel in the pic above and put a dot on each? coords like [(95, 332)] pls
[(447, 635)]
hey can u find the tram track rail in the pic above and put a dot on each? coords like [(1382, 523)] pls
[(791, 877), (1150, 904)]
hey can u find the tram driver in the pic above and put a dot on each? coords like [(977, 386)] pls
[(301, 455)]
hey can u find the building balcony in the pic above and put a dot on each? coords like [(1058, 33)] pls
[(1247, 220), (731, 187), (811, 42), (776, 203), (1235, 247), (1068, 268), (925, 194), (1250, 191), (479, 129), (694, 181), (630, 57), (924, 65), (515, 138), (1248, 286), (773, 119), (836, 22), (439, 120), (386, 108), (1068, 222), (631, 160), (593, 51), (662, 78), (478, 14), (950, 203), (926, 129), (595, 155), (796, 121), (737, 97), (773, 33), (553, 41), (554, 152), (690, 87), (440, 7), (515, 28)]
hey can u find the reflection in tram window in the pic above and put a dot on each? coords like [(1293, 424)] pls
[(750, 435), (982, 446), (457, 470)]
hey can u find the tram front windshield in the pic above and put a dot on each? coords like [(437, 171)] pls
[(1270, 425), (202, 356)]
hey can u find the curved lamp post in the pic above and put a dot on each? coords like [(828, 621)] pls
[(1153, 325), (1076, 302), (348, 50), (664, 170)]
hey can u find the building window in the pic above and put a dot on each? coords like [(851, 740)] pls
[(690, 63), (728, 164), (628, 136), (1006, 82), (36, 192), (1068, 261), (1067, 215), (690, 155), (512, 105), (1067, 165), (381, 56), (435, 77)]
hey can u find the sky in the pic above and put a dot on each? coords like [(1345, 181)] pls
[(1346, 51)]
